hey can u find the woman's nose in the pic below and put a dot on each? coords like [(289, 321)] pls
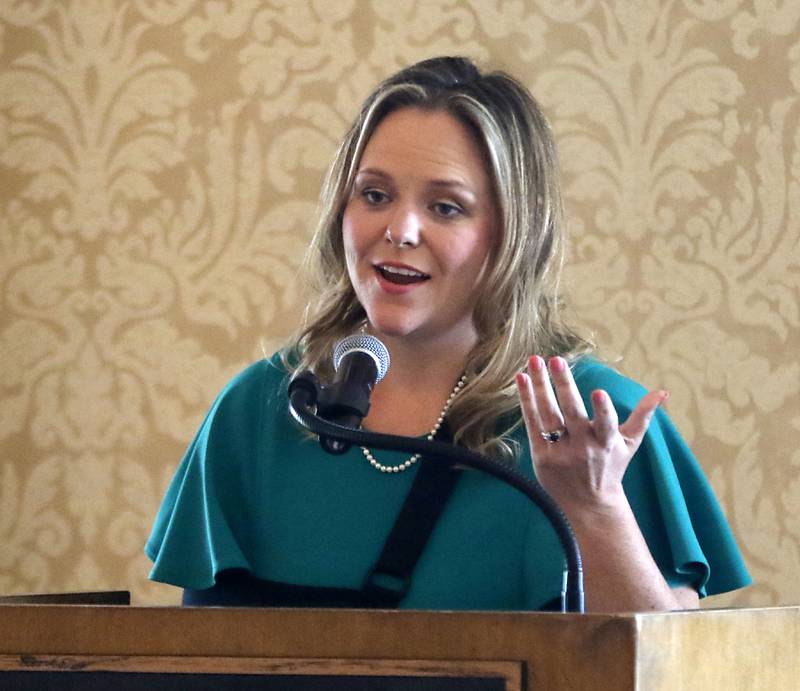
[(404, 229)]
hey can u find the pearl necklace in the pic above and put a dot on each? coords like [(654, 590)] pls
[(411, 461)]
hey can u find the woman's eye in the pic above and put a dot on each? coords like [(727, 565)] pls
[(374, 196), (447, 210)]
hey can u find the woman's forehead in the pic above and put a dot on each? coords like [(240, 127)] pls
[(429, 143)]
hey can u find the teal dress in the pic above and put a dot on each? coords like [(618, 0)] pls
[(254, 493)]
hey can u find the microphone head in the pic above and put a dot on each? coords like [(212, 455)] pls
[(363, 343)]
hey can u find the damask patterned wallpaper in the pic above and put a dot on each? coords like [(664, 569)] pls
[(160, 162)]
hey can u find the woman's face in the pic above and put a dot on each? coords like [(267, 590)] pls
[(419, 228)]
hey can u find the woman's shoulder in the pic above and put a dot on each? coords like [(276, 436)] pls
[(272, 368), (260, 378)]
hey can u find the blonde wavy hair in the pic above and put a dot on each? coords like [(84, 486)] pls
[(518, 310)]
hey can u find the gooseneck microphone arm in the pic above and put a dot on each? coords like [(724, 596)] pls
[(303, 394)]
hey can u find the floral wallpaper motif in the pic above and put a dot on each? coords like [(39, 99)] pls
[(159, 167)]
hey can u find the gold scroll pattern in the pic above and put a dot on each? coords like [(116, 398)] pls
[(160, 162)]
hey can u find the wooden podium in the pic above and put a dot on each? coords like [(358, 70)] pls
[(87, 647)]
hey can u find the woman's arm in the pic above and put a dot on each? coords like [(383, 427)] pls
[(619, 570), (583, 472)]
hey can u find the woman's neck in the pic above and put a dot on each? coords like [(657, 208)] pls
[(410, 398)]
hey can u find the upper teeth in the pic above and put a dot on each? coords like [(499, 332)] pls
[(401, 271)]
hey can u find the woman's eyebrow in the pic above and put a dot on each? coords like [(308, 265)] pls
[(453, 183), (373, 172), (437, 182)]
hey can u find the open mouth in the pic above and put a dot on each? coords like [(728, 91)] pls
[(401, 275)]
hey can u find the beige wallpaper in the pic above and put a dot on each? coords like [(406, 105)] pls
[(160, 161)]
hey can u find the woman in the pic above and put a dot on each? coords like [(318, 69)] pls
[(441, 233)]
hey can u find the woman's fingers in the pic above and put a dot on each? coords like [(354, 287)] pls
[(526, 399), (573, 410), (553, 398), (530, 414), (605, 422), (634, 428), (548, 413), (550, 401)]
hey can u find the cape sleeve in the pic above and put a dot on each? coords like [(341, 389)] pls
[(204, 525), (673, 502)]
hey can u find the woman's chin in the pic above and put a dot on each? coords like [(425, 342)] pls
[(422, 332), (391, 328), (390, 331)]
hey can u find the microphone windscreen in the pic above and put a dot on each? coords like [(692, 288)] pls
[(363, 343)]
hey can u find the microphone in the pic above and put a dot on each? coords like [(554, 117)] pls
[(360, 361)]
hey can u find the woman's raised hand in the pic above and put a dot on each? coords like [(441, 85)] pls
[(580, 460)]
